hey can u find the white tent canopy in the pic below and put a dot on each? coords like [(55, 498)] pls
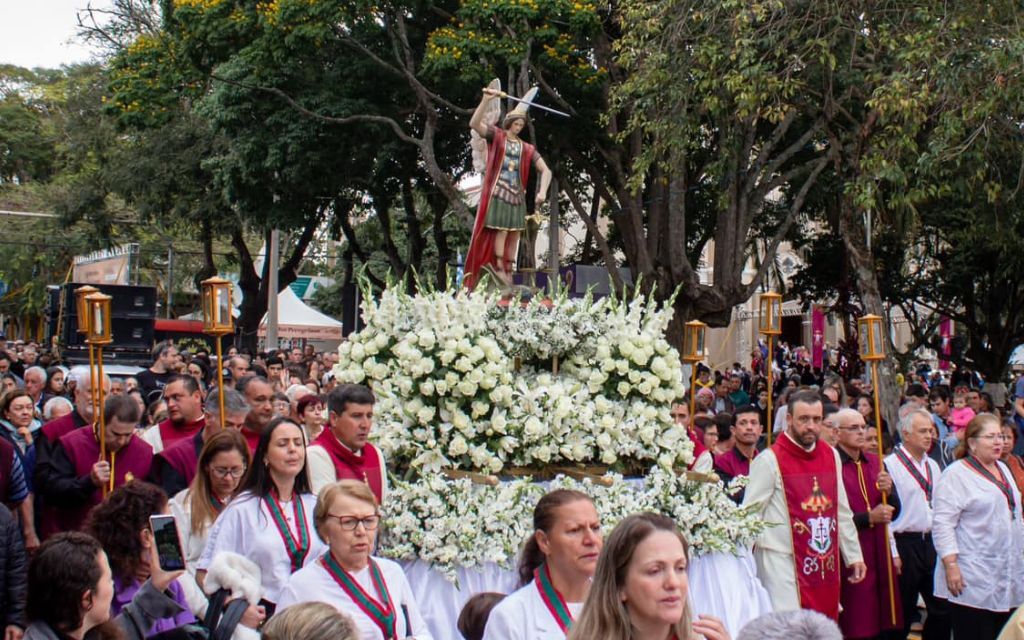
[(296, 320)]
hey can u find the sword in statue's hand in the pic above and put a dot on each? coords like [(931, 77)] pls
[(529, 103)]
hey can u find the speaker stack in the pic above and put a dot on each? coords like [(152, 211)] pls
[(133, 310)]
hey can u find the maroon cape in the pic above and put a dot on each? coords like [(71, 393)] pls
[(83, 451), (481, 243), (867, 608), (366, 467), (171, 433)]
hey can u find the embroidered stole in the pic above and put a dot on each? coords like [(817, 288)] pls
[(553, 600), (381, 611), (810, 482), (911, 467), (1001, 483), (297, 549)]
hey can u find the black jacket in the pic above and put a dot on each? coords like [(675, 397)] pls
[(13, 571)]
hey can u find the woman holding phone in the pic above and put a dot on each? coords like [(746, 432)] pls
[(221, 466), (271, 520), (372, 590), (121, 524)]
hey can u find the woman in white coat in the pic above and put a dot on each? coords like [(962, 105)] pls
[(373, 591), (271, 520), (978, 534), (555, 569)]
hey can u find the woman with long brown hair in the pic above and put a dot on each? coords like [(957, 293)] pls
[(555, 570), (641, 589), (222, 464)]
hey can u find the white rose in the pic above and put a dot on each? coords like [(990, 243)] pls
[(426, 414), (458, 446), (427, 388), (623, 388), (467, 388)]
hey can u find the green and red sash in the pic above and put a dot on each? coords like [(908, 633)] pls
[(811, 485), (908, 464), (381, 612), (217, 505), (1001, 482), (551, 598), (297, 549)]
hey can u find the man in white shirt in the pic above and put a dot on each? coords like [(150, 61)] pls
[(797, 483), (914, 474)]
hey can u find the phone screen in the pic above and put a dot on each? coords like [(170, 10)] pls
[(168, 546)]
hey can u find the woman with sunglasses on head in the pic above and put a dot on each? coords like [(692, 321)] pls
[(372, 590), (271, 520), (222, 464)]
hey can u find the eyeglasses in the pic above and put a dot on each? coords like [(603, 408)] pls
[(859, 427), (994, 436), (224, 472), (349, 523)]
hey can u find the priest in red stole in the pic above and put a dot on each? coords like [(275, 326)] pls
[(797, 483), (342, 450), (872, 605), (501, 214)]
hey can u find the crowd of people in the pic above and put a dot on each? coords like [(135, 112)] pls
[(277, 503)]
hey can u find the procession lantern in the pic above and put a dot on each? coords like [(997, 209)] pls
[(693, 343), (771, 313), (98, 310), (217, 320), (83, 307), (872, 346)]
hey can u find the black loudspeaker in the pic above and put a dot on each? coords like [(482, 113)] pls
[(351, 310), (132, 311)]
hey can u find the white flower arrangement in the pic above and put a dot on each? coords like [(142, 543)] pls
[(449, 393), (457, 524), (464, 383)]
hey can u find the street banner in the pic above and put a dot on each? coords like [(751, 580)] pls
[(946, 334), (109, 266)]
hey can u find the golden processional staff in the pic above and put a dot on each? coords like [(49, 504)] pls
[(98, 336), (693, 352), (217, 322), (872, 349), (770, 325)]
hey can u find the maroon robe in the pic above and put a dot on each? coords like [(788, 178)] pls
[(171, 433), (481, 243), (83, 451), (56, 429), (733, 464), (252, 438), (867, 607), (52, 432), (365, 467)]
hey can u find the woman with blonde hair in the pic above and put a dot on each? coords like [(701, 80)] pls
[(641, 589), (310, 621), (374, 591), (222, 464)]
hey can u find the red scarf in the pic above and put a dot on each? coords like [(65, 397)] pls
[(349, 466), (812, 498), (698, 446)]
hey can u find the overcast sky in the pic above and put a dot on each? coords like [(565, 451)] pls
[(41, 33)]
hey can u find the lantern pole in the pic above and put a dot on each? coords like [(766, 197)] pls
[(84, 327), (98, 307), (216, 326), (872, 354), (769, 416)]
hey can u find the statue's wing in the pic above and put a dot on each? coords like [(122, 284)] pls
[(476, 141)]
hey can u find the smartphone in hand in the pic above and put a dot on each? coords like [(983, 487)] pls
[(168, 545)]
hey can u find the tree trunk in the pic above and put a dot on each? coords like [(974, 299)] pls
[(863, 263)]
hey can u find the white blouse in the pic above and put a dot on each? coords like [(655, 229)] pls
[(524, 616), (246, 527), (973, 520), (192, 546), (313, 583)]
